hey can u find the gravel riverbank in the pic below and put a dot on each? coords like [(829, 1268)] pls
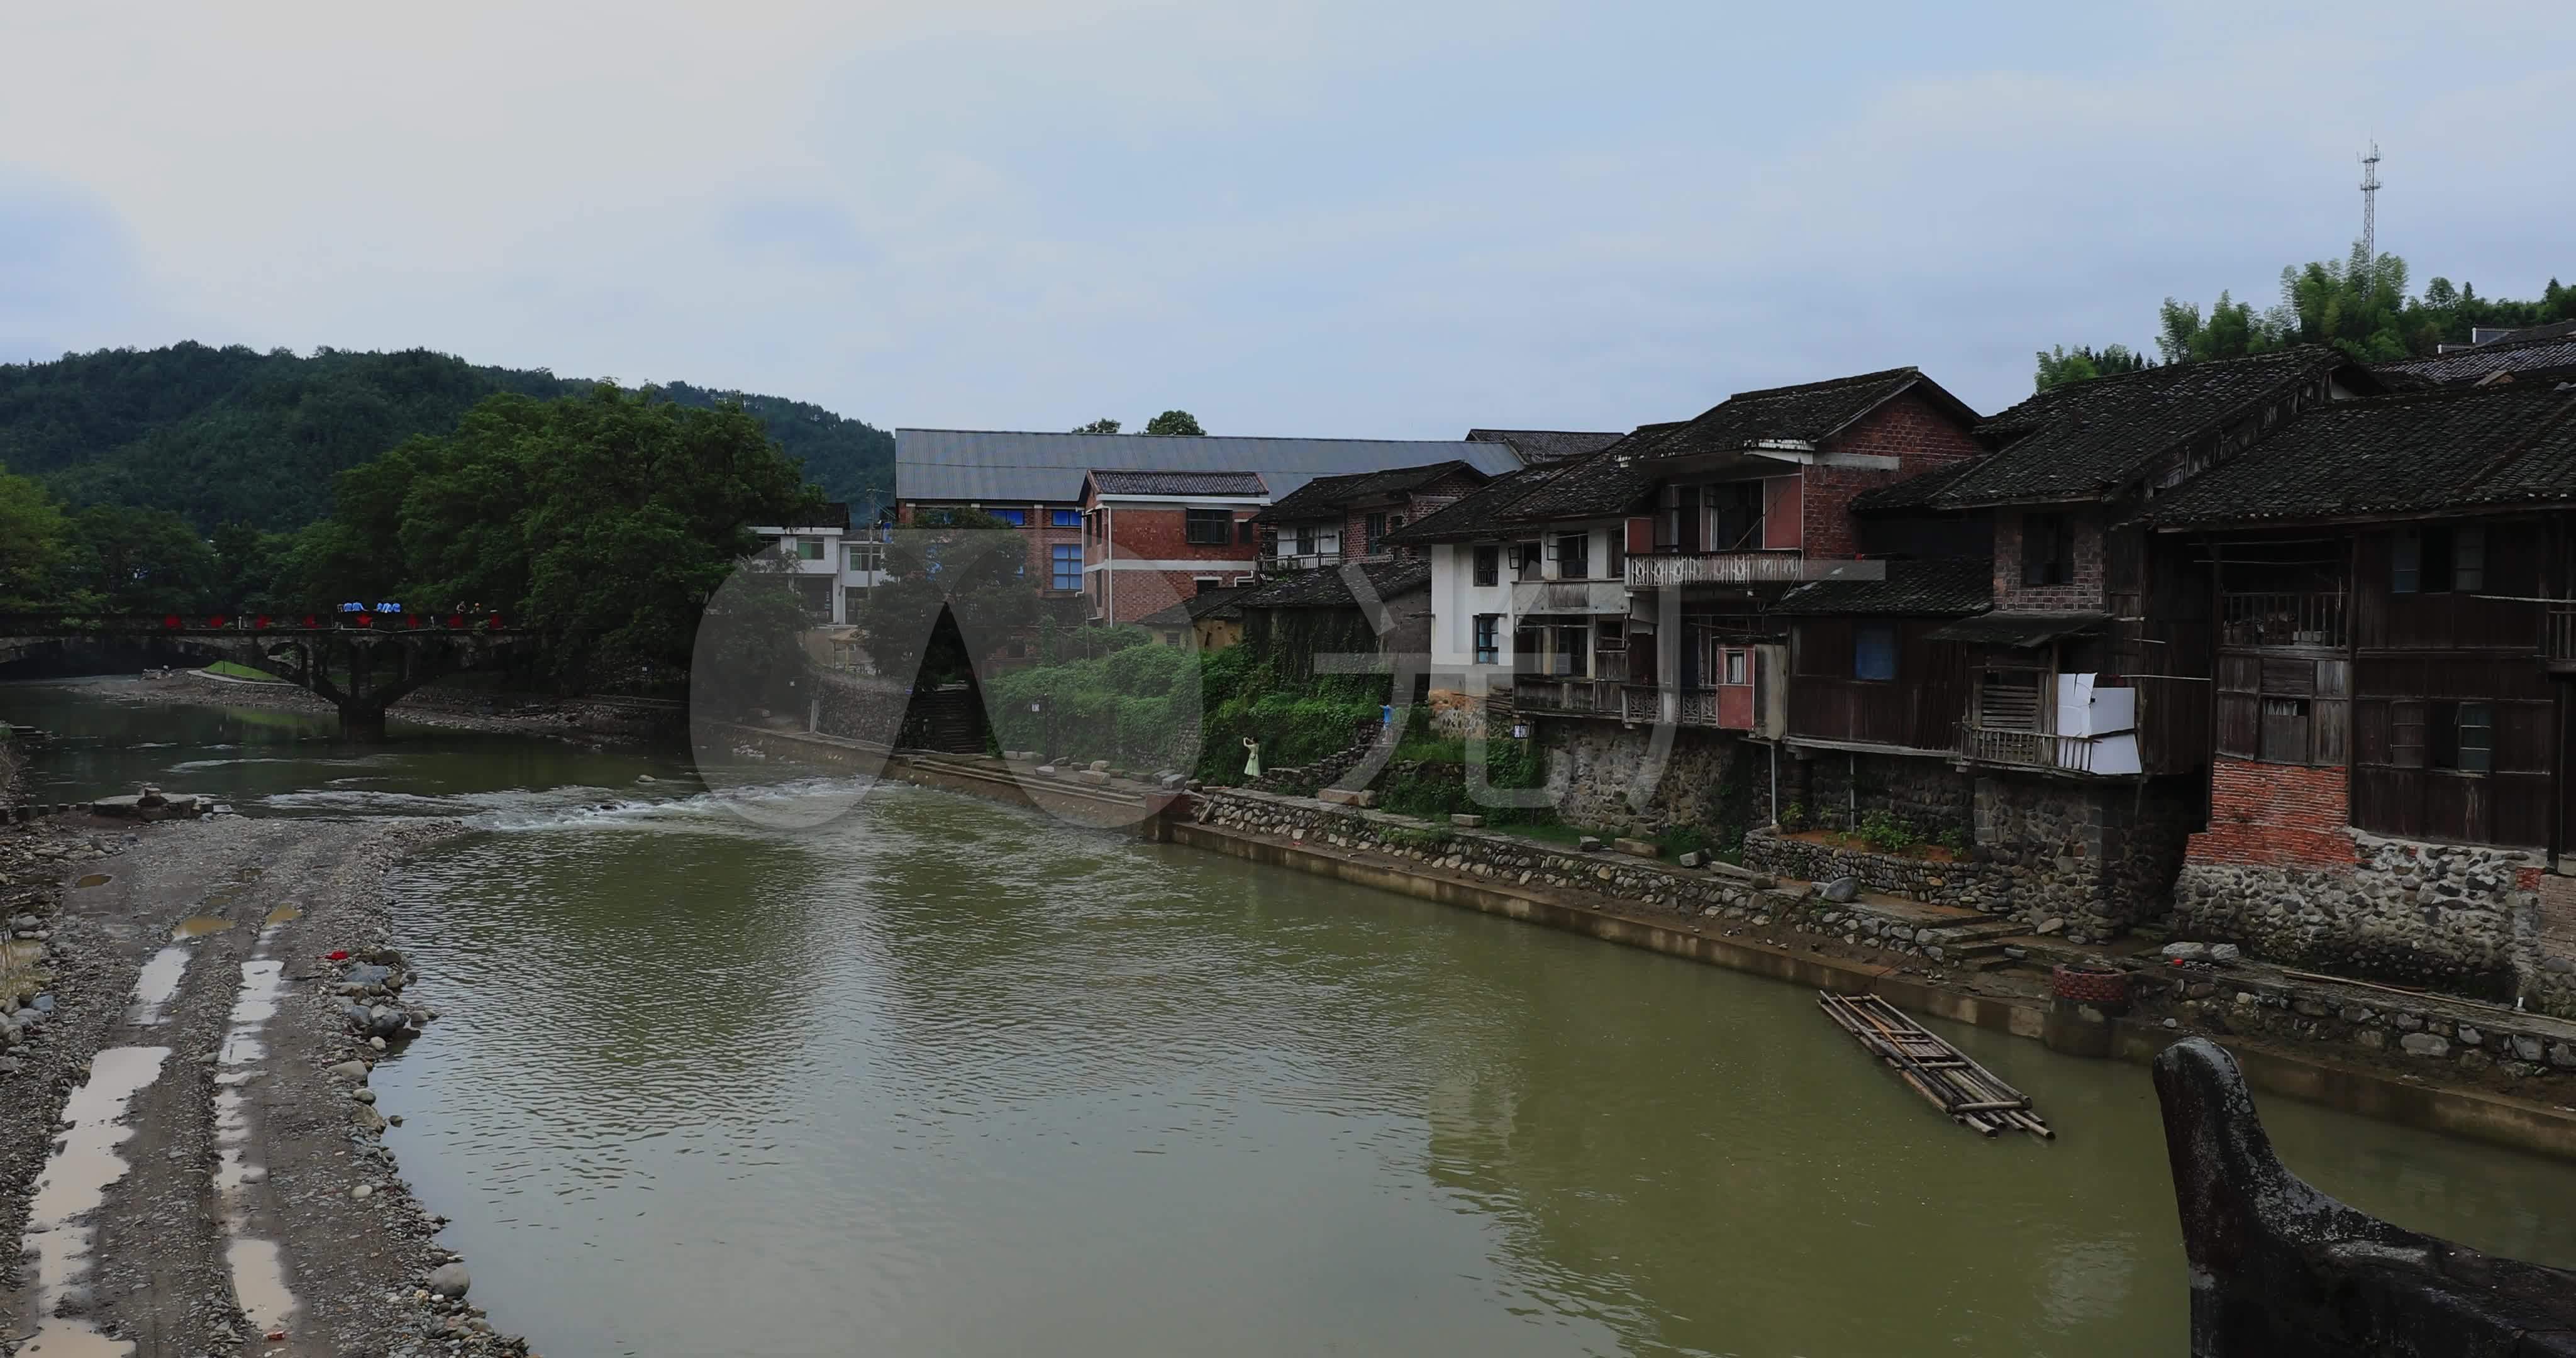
[(581, 720), (191, 1161)]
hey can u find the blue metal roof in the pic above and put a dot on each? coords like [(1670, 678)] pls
[(1009, 467)]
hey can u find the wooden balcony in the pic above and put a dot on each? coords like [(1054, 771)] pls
[(2295, 618), (2114, 754), (1716, 568), (1274, 563), (1588, 598), (2171, 735)]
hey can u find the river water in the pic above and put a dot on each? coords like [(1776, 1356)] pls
[(942, 1077)]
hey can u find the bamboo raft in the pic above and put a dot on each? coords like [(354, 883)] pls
[(1969, 1093)]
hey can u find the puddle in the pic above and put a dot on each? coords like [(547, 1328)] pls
[(153, 989), (94, 879), (249, 874), (258, 1269), (282, 914), (198, 926), (73, 1185)]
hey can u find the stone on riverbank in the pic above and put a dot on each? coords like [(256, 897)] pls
[(449, 1280), (1841, 890)]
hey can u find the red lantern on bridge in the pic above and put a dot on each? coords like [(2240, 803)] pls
[(365, 619), (456, 621), (412, 620), (171, 621), (494, 623), (215, 621), (260, 623), (310, 622)]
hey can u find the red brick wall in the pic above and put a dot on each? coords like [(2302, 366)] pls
[(1040, 531), (1159, 534), (1911, 429), (2282, 815), (2084, 590)]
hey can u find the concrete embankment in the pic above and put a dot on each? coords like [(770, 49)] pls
[(1784, 931)]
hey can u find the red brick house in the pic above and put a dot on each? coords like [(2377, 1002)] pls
[(2390, 741), (1153, 538), (1332, 519)]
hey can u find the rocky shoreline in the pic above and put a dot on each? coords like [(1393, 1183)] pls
[(588, 721), (234, 1192)]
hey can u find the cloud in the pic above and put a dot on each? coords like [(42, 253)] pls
[(1325, 217)]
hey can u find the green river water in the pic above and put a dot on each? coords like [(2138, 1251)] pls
[(942, 1077)]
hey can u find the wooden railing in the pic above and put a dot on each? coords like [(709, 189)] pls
[(2171, 736), (1592, 598), (2283, 618), (1715, 568), (1275, 562), (2029, 749)]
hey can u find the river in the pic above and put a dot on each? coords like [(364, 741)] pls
[(942, 1077)]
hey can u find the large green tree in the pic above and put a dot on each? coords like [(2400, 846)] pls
[(606, 520), (2061, 365), (1174, 423), (136, 561)]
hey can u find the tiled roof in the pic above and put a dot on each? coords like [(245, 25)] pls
[(2411, 453), (2523, 354), (1328, 589), (993, 466), (1122, 481), (1807, 413), (1478, 512), (1608, 482), (1217, 603), (2082, 440), (1914, 492), (1943, 588), (1331, 494), (1540, 446)]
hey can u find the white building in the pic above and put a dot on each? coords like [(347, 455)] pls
[(833, 563)]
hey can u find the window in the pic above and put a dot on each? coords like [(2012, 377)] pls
[(1394, 523), (1067, 564), (1208, 527), (1874, 650), (2047, 550), (2438, 561), (1201, 584), (1739, 670), (2463, 736), (1734, 516), (1525, 557), (1573, 556), (1065, 518), (1246, 531), (1489, 566), (1489, 627), (1017, 518), (863, 556), (809, 549), (1376, 532), (1614, 563), (2284, 733)]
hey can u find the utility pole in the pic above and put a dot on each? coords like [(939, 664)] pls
[(2369, 215)]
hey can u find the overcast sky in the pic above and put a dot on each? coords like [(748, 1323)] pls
[(1302, 217)]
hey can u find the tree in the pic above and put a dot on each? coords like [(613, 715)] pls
[(962, 566), (2058, 366), (607, 520), (136, 560), (31, 541), (1099, 426), (1174, 423), (2357, 304)]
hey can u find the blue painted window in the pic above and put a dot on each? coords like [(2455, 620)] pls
[(1068, 565), (1874, 650), (1017, 518), (1067, 518)]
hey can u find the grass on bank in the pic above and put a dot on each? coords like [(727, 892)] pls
[(232, 670)]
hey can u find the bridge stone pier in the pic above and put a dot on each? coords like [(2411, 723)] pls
[(360, 663)]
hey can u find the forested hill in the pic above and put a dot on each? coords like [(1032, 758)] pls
[(236, 436)]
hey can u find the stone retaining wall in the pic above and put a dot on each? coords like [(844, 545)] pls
[(2214, 1000), (2464, 918), (1708, 778), (1482, 853), (1837, 787)]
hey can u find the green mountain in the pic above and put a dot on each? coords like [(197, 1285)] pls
[(232, 435)]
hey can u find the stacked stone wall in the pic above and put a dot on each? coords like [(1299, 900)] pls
[(1837, 789), (1709, 779)]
